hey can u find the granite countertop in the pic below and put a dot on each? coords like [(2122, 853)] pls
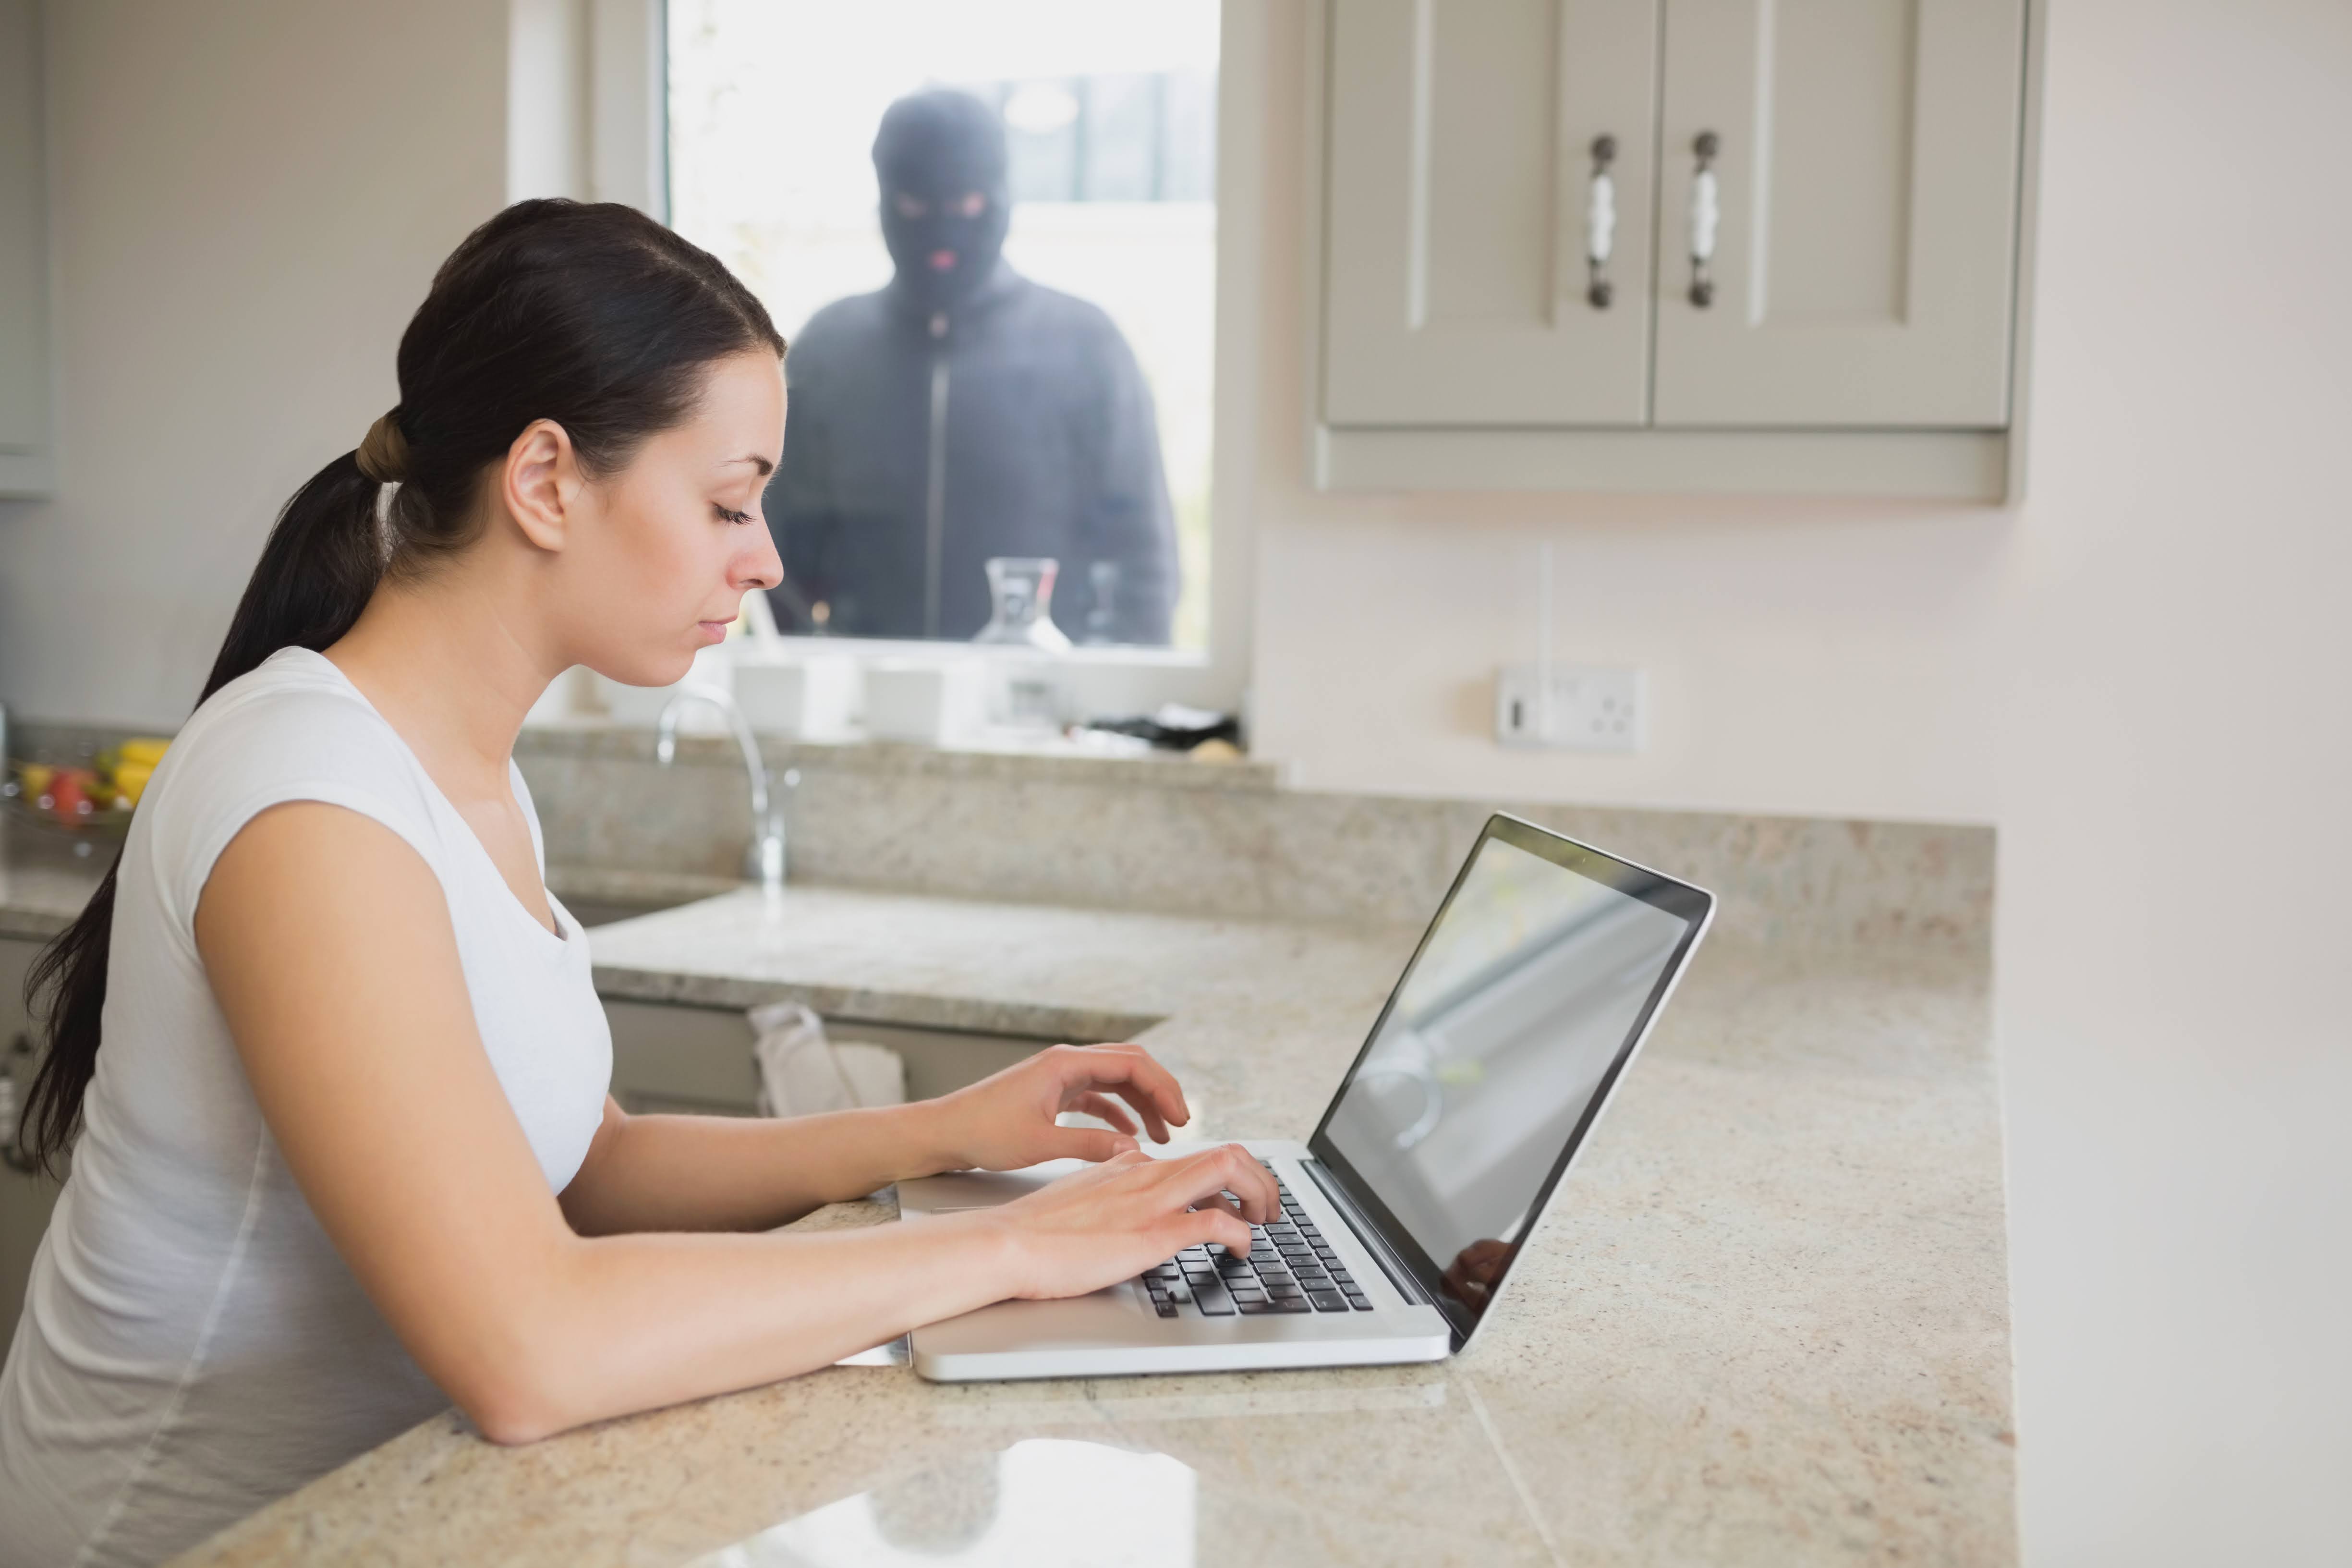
[(46, 877), (1765, 1322)]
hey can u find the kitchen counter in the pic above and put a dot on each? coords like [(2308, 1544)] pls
[(46, 877), (1765, 1322), (44, 882)]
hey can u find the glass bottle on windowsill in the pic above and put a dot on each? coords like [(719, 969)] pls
[(1020, 589)]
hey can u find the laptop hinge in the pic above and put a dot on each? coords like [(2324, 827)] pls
[(1374, 1243)]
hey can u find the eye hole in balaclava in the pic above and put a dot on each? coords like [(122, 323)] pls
[(940, 159)]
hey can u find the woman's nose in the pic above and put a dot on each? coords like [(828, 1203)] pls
[(760, 566)]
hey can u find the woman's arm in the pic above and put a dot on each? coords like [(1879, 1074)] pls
[(327, 941), (722, 1173), (731, 1173)]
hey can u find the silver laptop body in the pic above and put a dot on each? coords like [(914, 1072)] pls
[(1543, 972)]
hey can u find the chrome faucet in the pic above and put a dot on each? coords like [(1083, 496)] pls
[(765, 858)]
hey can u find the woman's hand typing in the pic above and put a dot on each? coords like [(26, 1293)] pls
[(1126, 1212), (1094, 1227), (1006, 1122)]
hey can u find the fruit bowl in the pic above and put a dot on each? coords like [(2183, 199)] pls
[(84, 804), (107, 824)]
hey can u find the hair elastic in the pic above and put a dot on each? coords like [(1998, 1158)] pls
[(384, 450)]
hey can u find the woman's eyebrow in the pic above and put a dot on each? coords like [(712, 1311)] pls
[(764, 465)]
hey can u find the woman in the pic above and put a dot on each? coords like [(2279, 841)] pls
[(345, 1152)]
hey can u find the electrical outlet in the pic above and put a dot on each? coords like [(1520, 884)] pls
[(1593, 708)]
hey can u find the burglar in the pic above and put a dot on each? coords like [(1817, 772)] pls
[(963, 412)]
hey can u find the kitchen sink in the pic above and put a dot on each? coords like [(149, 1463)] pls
[(593, 912)]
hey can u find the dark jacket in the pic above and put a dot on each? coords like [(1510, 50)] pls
[(917, 447)]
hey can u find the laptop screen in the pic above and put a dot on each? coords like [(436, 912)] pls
[(1528, 993)]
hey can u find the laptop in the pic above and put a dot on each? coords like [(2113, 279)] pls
[(1545, 969)]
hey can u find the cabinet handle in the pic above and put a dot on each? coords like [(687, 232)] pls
[(1600, 222), (1705, 214)]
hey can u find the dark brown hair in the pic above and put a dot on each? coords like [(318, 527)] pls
[(593, 316)]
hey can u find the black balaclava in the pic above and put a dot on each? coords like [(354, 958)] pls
[(940, 148)]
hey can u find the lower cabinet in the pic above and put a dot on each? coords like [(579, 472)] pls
[(25, 1204), (667, 1058), (25, 1199)]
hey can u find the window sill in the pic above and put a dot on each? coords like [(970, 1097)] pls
[(994, 755), (1086, 683), (878, 650)]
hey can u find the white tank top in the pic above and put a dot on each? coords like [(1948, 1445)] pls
[(191, 1346)]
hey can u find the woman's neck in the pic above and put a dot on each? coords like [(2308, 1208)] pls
[(446, 664)]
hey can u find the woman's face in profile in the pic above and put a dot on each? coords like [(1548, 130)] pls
[(668, 546)]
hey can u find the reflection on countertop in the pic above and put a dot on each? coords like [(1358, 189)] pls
[(1041, 1502), (1765, 1321)]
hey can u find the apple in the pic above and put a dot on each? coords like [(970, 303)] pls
[(69, 794)]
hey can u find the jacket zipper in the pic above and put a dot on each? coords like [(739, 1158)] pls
[(935, 501)]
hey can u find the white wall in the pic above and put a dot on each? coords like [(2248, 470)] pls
[(249, 200), (2175, 739), (1821, 659)]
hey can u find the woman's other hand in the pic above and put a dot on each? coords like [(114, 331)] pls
[(1095, 1228), (1007, 1121)]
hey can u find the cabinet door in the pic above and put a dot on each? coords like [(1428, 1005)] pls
[(1460, 151), (1866, 164), (25, 1200), (23, 274), (668, 1056)]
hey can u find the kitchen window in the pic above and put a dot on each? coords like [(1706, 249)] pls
[(990, 232)]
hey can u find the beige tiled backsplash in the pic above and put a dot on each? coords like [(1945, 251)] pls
[(1184, 837), (1201, 838)]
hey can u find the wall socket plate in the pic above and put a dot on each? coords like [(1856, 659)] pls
[(1593, 708)]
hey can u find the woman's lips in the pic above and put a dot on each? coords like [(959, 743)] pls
[(714, 631)]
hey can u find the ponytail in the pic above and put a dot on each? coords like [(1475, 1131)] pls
[(316, 571), (593, 316)]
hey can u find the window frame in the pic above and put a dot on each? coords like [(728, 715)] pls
[(623, 121)]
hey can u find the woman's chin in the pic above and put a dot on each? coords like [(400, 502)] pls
[(666, 670)]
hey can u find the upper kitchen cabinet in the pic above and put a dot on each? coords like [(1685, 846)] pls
[(25, 449), (1763, 246), (1848, 169), (1472, 148)]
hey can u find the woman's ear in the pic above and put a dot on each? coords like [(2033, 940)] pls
[(542, 483)]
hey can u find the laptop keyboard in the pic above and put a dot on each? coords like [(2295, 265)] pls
[(1290, 1269)]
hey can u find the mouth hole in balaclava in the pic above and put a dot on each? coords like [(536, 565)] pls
[(940, 159)]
